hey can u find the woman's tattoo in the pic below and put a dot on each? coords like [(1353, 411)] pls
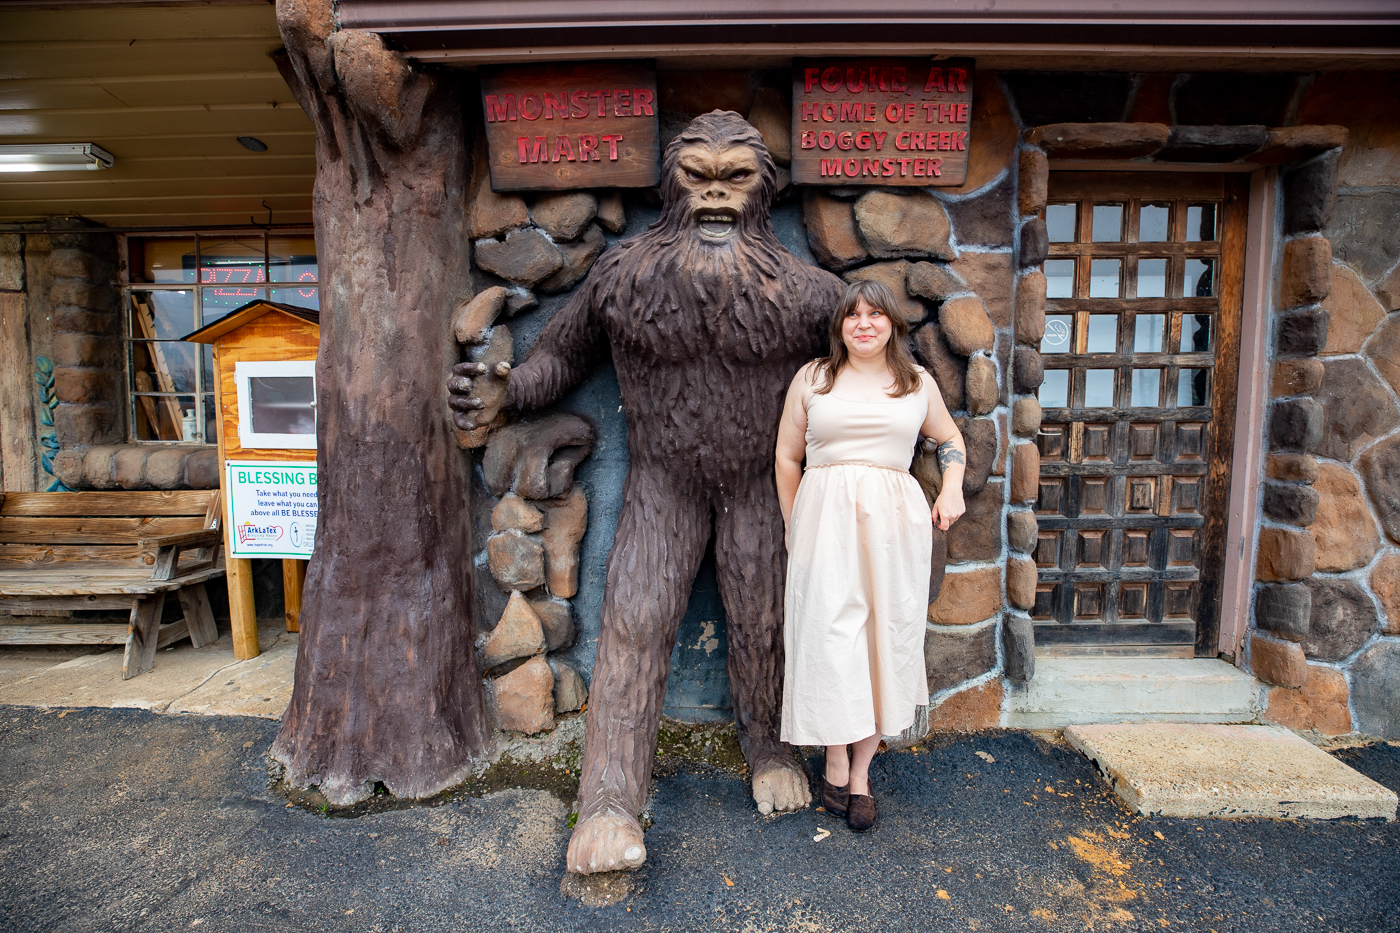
[(948, 454)]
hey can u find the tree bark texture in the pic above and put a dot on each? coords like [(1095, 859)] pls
[(387, 687)]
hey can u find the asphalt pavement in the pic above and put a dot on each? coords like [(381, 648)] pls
[(127, 820)]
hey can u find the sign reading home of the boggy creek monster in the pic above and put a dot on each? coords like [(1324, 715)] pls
[(587, 125), (882, 121), (271, 508)]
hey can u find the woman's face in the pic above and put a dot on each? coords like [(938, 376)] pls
[(865, 331)]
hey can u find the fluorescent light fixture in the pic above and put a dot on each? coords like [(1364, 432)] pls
[(54, 157)]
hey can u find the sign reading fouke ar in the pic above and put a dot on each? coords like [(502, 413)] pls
[(883, 121)]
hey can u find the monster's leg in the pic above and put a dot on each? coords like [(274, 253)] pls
[(661, 536), (750, 557)]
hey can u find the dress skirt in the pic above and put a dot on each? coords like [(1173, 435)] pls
[(855, 605)]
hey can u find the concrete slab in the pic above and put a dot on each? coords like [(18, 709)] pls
[(20, 662), (1227, 771), (96, 679), (259, 687), (1071, 691)]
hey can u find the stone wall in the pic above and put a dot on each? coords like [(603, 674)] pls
[(950, 256), (966, 264), (1327, 606)]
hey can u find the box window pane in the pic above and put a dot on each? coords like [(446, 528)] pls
[(1059, 278), (283, 404), (1059, 328), (1152, 223), (162, 260), (1098, 388), (1195, 333), (1148, 331), (166, 418), (218, 301), (1152, 278), (1200, 278), (1147, 384), (1103, 334), (1192, 387), (163, 366), (291, 259), (1200, 223), (1108, 223), (162, 315), (1059, 222), (1104, 276), (1054, 391), (234, 267), (307, 296)]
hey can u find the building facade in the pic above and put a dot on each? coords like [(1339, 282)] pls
[(1162, 301)]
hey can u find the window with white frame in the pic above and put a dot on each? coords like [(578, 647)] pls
[(178, 283), (276, 404)]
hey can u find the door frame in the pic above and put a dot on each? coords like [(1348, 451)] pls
[(1220, 628)]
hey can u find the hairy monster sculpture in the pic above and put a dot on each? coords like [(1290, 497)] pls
[(708, 318)]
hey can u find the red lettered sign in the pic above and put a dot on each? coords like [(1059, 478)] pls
[(586, 125), (881, 121)]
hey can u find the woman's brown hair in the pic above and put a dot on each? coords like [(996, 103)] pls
[(897, 355)]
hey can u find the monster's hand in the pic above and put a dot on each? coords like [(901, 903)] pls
[(477, 388), (475, 393)]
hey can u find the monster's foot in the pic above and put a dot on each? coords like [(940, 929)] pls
[(606, 841), (780, 785)]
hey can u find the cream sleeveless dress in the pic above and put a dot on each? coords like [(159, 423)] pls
[(857, 577)]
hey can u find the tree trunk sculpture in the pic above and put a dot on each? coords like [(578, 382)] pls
[(387, 687)]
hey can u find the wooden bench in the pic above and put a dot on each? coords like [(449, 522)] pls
[(110, 550)]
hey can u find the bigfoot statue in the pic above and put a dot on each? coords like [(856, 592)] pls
[(708, 318)]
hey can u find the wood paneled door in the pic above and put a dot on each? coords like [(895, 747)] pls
[(1141, 354)]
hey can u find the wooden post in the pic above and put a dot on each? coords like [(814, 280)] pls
[(293, 578), (240, 608), (239, 571)]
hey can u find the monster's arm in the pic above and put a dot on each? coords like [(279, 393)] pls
[(567, 348)]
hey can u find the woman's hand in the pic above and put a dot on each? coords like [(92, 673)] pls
[(948, 507)]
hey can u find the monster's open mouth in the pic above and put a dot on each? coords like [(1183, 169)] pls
[(716, 225)]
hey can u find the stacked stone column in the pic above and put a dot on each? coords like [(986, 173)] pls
[(1027, 374)]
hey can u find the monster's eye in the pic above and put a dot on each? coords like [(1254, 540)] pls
[(739, 176), (694, 176)]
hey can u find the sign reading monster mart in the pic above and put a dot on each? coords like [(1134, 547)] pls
[(271, 508), (561, 126), (883, 121)]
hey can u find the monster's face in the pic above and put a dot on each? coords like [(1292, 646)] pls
[(721, 185)]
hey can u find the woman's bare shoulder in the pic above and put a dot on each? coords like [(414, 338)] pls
[(808, 374)]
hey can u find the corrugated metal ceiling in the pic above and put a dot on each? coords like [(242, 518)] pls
[(167, 90)]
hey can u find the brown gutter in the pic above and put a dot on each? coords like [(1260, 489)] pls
[(432, 15)]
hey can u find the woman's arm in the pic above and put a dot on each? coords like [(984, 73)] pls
[(792, 444), (952, 456)]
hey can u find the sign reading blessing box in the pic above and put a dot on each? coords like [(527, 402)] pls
[(886, 121), (271, 508)]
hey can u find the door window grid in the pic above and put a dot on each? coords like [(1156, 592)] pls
[(175, 285), (1130, 312)]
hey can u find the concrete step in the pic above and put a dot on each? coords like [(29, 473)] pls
[(1073, 691), (1233, 772)]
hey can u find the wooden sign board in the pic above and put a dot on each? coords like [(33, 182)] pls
[(561, 126), (881, 121)]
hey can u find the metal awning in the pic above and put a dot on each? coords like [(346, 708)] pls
[(1087, 34)]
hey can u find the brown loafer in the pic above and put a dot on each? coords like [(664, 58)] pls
[(860, 812), (834, 799)]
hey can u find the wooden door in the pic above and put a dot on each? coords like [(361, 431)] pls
[(1141, 354)]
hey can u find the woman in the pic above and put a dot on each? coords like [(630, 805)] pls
[(860, 539)]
